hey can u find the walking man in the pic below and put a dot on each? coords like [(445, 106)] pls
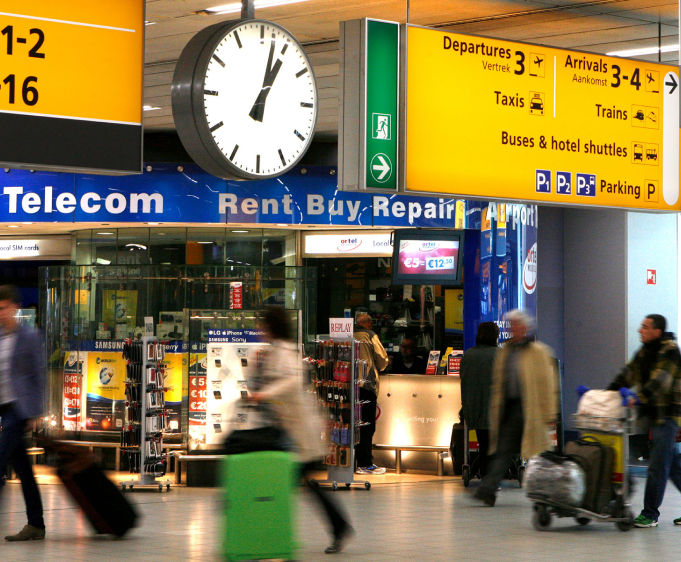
[(22, 391), (523, 402), (653, 375), (373, 352)]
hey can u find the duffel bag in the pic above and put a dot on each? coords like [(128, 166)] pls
[(556, 478), (601, 403)]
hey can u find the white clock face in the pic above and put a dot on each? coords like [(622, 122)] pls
[(260, 98)]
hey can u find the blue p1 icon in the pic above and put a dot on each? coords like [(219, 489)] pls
[(543, 181), (586, 185), (564, 183)]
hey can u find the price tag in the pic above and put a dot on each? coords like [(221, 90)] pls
[(437, 264)]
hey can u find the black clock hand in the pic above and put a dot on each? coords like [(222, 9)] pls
[(258, 110)]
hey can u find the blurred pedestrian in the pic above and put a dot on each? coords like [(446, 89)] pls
[(22, 394), (280, 386), (476, 383), (523, 402)]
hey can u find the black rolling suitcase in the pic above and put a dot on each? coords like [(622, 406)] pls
[(100, 499)]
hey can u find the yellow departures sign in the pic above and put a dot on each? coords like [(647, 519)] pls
[(72, 58), (495, 119)]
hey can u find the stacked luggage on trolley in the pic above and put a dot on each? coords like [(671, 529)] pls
[(589, 481)]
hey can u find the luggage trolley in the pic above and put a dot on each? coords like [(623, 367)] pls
[(611, 432), (470, 446)]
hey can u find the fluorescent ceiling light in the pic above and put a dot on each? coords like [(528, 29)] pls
[(102, 261), (149, 23), (26, 223), (140, 246), (235, 7), (644, 51), (240, 231), (204, 242), (149, 108), (105, 233), (13, 226)]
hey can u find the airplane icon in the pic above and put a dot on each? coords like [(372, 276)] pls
[(538, 61), (650, 78)]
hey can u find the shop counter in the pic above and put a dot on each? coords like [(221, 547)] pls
[(415, 411)]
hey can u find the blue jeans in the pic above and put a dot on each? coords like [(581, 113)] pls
[(664, 463), (13, 450)]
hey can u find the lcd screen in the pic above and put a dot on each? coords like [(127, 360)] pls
[(427, 257)]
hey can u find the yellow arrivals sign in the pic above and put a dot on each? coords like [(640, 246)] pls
[(495, 119)]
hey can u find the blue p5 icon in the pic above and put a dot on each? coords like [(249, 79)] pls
[(543, 181)]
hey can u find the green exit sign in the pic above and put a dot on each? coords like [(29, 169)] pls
[(369, 116)]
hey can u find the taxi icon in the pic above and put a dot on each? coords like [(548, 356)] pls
[(536, 103)]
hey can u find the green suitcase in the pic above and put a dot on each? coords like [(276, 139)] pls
[(260, 498)]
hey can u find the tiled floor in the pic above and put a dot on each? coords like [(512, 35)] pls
[(415, 519)]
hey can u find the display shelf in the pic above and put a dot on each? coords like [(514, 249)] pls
[(146, 417), (338, 370)]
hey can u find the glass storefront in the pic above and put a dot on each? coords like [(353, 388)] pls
[(89, 310)]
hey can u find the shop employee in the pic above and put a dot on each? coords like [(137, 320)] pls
[(407, 362)]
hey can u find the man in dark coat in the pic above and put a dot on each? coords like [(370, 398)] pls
[(476, 380)]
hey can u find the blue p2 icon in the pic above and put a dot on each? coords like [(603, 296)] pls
[(564, 183), (543, 181)]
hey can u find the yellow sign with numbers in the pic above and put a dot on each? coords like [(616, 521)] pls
[(71, 75), (72, 59), (495, 119)]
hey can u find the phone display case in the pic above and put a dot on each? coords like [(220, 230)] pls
[(146, 417)]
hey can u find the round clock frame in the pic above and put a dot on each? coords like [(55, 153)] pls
[(189, 101)]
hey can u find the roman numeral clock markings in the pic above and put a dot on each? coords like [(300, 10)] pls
[(257, 164), (216, 126), (281, 156), (306, 104), (299, 74), (222, 64), (231, 157), (284, 49), (238, 40)]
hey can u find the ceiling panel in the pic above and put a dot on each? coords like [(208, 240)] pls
[(593, 25)]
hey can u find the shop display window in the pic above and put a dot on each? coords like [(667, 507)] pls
[(91, 309)]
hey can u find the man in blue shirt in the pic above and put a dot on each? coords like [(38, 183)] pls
[(22, 394)]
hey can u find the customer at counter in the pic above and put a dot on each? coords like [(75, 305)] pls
[(373, 352), (407, 362)]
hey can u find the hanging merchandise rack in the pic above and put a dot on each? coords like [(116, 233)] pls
[(337, 372), (146, 416)]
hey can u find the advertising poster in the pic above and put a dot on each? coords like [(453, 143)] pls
[(105, 391), (119, 307), (197, 397), (236, 295), (433, 360), (172, 364), (73, 389)]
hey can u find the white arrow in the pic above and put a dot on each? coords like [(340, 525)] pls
[(383, 167)]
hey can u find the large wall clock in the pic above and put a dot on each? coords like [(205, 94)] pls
[(244, 100)]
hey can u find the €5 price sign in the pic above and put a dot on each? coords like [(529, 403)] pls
[(495, 119), (71, 84)]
